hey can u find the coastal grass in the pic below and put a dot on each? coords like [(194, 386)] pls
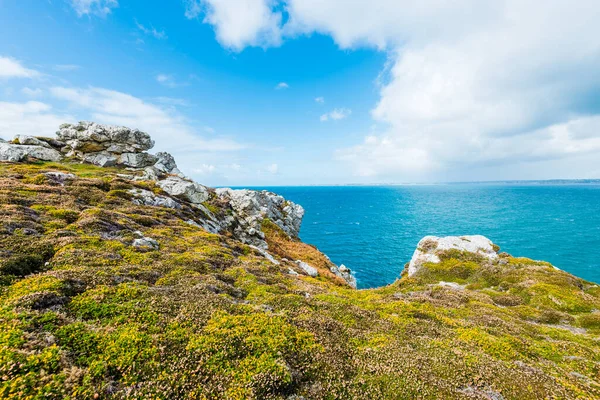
[(84, 314)]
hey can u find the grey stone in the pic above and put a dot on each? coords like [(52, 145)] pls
[(309, 269), (120, 137), (252, 207), (266, 255), (136, 160), (101, 159), (344, 272), (17, 152), (189, 190), (148, 198), (29, 141), (145, 243), (165, 163), (59, 177)]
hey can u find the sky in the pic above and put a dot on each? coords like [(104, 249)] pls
[(303, 92)]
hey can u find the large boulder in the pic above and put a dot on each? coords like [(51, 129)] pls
[(188, 190), (165, 162), (101, 159), (90, 137), (29, 141), (136, 160), (18, 152), (430, 247)]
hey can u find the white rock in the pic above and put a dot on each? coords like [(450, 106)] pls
[(136, 160), (309, 269), (60, 177), (150, 174), (344, 272), (166, 163), (430, 246), (252, 207), (191, 191), (17, 152), (120, 137), (266, 255), (101, 159), (148, 198), (30, 141), (146, 242), (451, 285)]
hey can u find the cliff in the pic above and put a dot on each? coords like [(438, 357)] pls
[(122, 278)]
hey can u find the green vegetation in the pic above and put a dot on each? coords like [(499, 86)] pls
[(84, 314)]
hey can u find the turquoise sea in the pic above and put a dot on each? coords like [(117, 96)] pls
[(374, 230)]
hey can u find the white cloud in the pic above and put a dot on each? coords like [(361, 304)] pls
[(32, 92), (152, 31), (11, 68), (336, 114), (469, 82), (168, 128), (100, 8), (239, 23), (168, 81), (67, 67), (282, 85), (193, 8), (205, 169), (320, 100), (208, 129), (273, 169), (29, 118)]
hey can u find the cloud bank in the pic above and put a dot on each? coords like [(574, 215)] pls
[(470, 83)]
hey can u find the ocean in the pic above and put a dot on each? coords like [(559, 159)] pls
[(374, 230)]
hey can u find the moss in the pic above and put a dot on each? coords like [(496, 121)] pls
[(27, 256), (255, 354), (449, 269), (39, 179), (590, 321), (208, 317)]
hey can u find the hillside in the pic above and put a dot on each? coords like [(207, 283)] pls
[(121, 278)]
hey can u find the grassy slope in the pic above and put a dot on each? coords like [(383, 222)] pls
[(85, 315)]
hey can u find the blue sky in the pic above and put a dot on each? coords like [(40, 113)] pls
[(268, 92)]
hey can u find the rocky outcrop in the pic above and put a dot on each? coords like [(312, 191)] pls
[(117, 146), (90, 137), (430, 247), (251, 207), (344, 272), (17, 152), (187, 189)]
